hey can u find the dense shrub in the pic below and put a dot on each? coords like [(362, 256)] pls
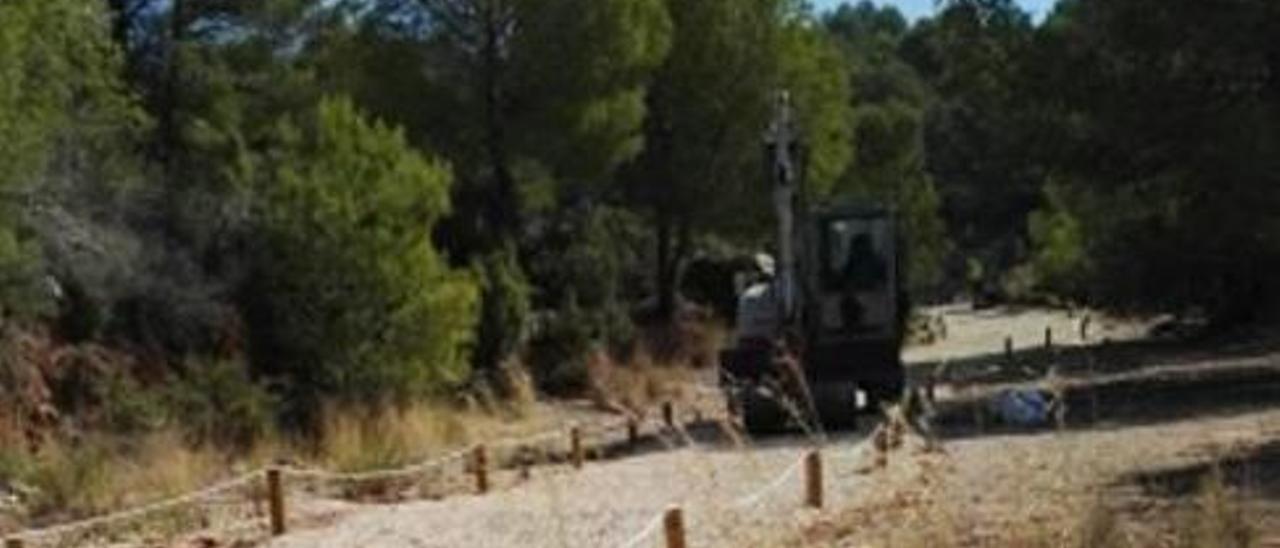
[(587, 264), (347, 298), (558, 351), (63, 112), (504, 309), (217, 402)]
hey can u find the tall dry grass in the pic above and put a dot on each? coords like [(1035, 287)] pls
[(94, 476), (74, 477), (934, 514), (640, 384)]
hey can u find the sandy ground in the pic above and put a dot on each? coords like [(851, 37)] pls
[(1142, 423)]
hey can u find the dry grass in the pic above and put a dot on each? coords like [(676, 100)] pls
[(1217, 518), (921, 505), (638, 385), (361, 440), (75, 478), (98, 476)]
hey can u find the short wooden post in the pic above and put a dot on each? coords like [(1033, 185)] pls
[(979, 409), (1048, 337), (880, 441), (1008, 349), (480, 466), (1093, 387), (275, 497), (813, 479), (669, 414), (525, 453), (633, 431), (1084, 327), (673, 524), (575, 446)]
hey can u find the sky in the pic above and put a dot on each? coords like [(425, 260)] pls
[(914, 9)]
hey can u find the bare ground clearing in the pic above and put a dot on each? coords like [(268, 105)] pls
[(1144, 422)]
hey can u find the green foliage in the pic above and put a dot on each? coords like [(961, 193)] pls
[(889, 157), (810, 69), (57, 68), (560, 347), (216, 402), (714, 94), (20, 289), (1168, 137), (595, 259), (504, 309), (1059, 256), (1135, 144), (348, 298), (61, 109), (584, 64), (975, 128), (129, 408), (528, 98)]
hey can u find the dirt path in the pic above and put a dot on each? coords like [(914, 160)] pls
[(988, 483)]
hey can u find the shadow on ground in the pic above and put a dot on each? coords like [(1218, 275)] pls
[(1254, 471), (1100, 358), (1106, 386), (1114, 385)]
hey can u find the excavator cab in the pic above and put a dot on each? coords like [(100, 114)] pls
[(857, 273), (848, 335)]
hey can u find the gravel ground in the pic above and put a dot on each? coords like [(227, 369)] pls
[(605, 504), (983, 486)]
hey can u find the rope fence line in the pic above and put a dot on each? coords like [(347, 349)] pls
[(273, 488), (647, 531), (672, 516), (750, 500), (135, 513), (373, 475)]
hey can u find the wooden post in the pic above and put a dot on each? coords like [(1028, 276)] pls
[(669, 414), (575, 446), (275, 497), (633, 431), (880, 441), (1093, 387), (480, 465), (525, 453), (813, 479), (1008, 349), (1048, 337), (673, 523)]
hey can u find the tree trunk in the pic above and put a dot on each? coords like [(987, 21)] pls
[(665, 275), (503, 207), (675, 241)]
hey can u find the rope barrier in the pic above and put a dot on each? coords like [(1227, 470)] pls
[(62, 530), (373, 475), (745, 502), (134, 513), (752, 499), (646, 532), (670, 437)]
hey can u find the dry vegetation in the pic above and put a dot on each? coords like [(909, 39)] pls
[(74, 476), (1049, 505)]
